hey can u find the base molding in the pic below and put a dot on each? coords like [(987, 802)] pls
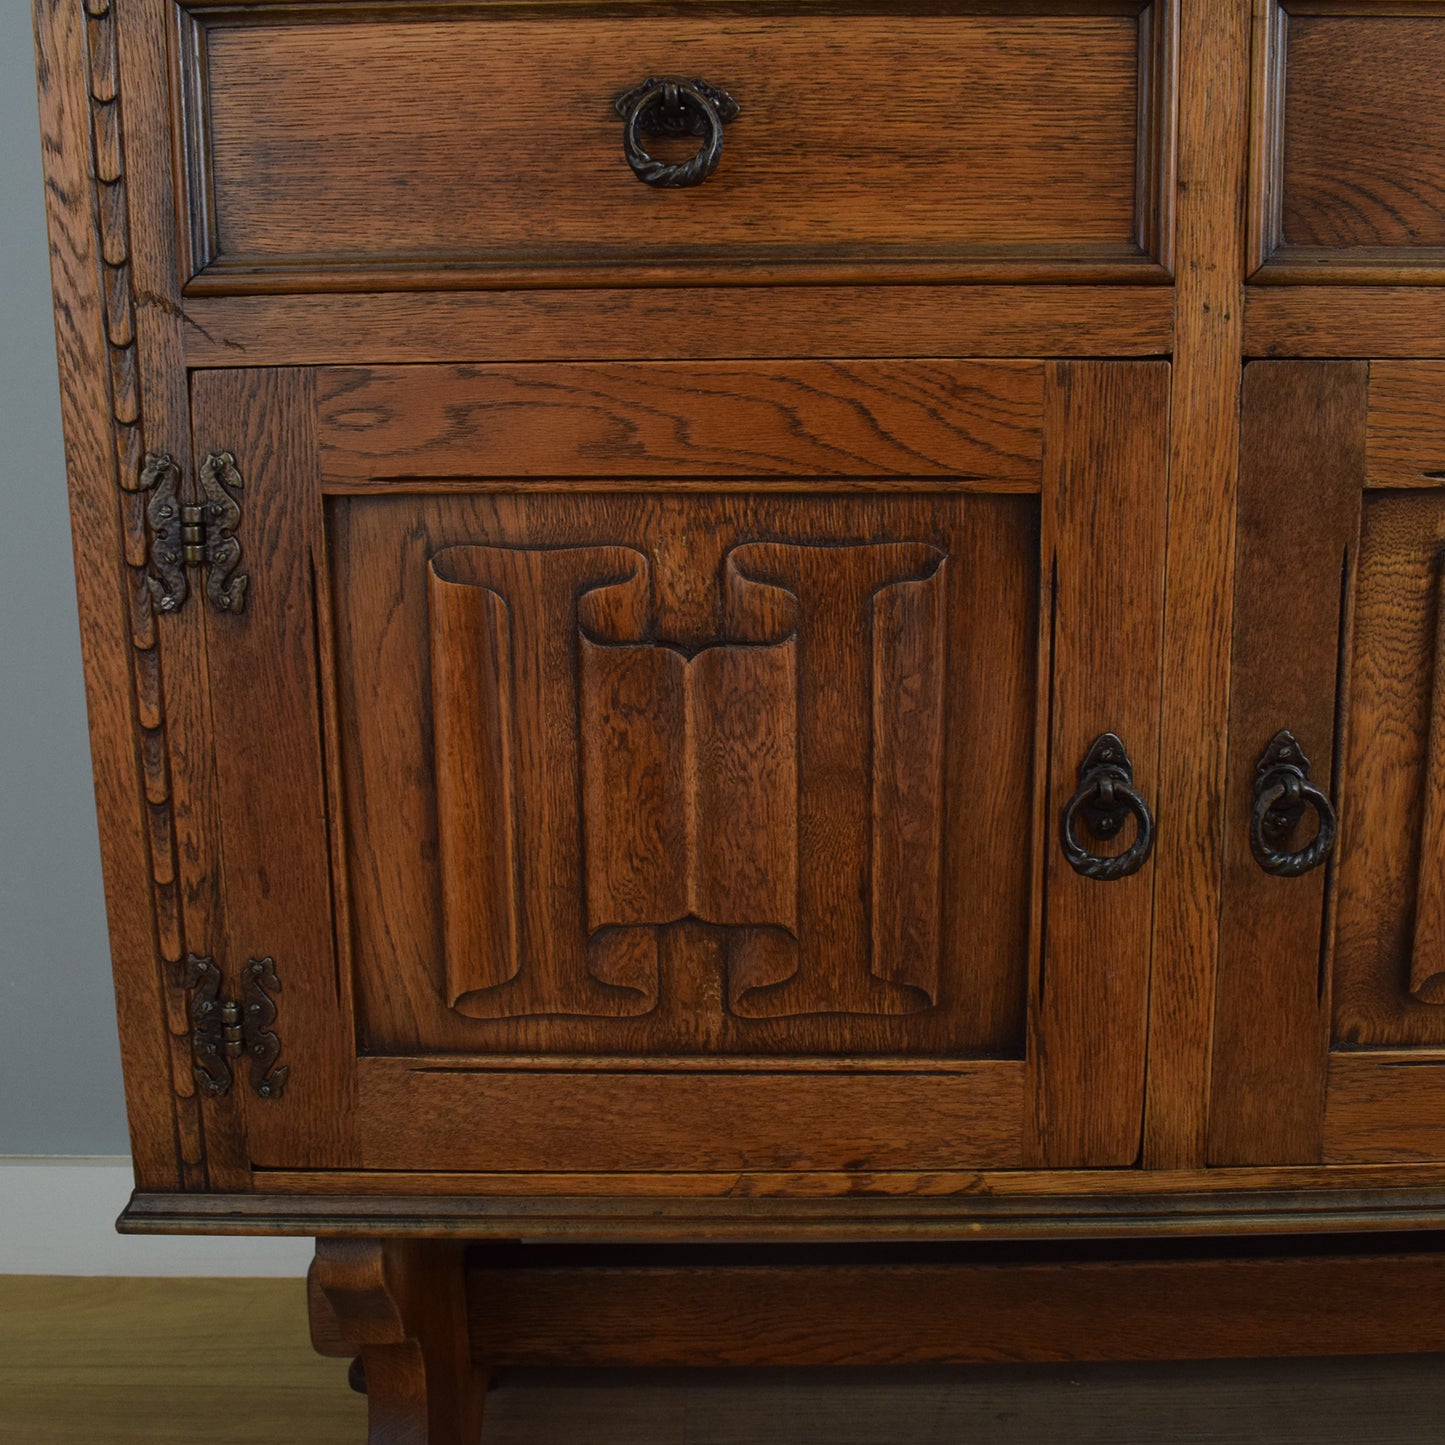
[(800, 1220)]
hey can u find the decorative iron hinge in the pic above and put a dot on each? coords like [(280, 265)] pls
[(223, 1029), (184, 534)]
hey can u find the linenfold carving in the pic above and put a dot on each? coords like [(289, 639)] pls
[(598, 784)]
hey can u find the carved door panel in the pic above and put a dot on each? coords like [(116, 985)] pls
[(668, 761), (1331, 1018)]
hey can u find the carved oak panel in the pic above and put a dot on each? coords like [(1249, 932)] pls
[(691, 772)]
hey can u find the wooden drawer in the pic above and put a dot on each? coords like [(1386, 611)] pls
[(1349, 139), (425, 146)]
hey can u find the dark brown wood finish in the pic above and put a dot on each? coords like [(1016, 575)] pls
[(300, 138), (694, 1309), (1302, 472), (1203, 472), (266, 688), (1107, 460), (398, 1307), (695, 323), (1344, 321), (1347, 143), (675, 622), (1386, 951), (424, 427)]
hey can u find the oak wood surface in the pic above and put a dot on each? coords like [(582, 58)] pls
[(269, 756), (770, 1218), (691, 323), (1105, 490), (412, 1116), (398, 1307), (1405, 443), (1344, 321), (96, 348), (380, 547), (678, 1308), (1302, 449), (1363, 139), (1385, 1107), (425, 426), (1388, 873), (304, 137), (1203, 474), (813, 1184)]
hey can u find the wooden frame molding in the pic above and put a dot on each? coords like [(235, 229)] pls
[(206, 270)]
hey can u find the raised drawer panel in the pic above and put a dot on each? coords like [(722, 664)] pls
[(479, 144), (1350, 142)]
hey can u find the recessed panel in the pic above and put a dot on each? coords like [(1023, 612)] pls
[(479, 144), (689, 774)]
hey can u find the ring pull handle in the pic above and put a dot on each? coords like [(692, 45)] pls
[(671, 105), (1104, 802), (1282, 792)]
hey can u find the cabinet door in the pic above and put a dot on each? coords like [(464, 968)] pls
[(657, 769), (1331, 1017)]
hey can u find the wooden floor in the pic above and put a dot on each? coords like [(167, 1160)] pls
[(160, 1362)]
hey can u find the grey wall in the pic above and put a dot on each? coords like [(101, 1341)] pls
[(60, 1090)]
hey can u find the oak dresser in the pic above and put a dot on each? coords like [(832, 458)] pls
[(766, 677)]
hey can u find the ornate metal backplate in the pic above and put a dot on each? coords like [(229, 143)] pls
[(222, 1029), (268, 1078), (220, 480), (166, 581)]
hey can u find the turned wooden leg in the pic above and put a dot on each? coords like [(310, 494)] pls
[(399, 1307)]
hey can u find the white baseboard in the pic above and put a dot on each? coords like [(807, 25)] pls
[(57, 1216)]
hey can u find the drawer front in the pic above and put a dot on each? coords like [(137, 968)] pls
[(1350, 137), (481, 145)]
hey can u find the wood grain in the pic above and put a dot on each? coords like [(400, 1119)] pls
[(1405, 444), (398, 1306), (425, 426), (1104, 498), (269, 756), (662, 1218), (1363, 136), (309, 134), (1387, 765), (1203, 461), (895, 1184), (1344, 321), (980, 855), (688, 323), (1427, 959), (684, 1309), (1302, 449), (1385, 1108), (96, 345), (506, 1119)]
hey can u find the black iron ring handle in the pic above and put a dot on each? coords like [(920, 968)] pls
[(670, 105), (1282, 792), (1105, 799)]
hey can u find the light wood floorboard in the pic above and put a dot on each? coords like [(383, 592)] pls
[(159, 1362)]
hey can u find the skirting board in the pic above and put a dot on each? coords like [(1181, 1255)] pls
[(59, 1218)]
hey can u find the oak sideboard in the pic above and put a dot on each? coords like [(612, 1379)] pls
[(766, 677)]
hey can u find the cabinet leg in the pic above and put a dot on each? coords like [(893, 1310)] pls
[(399, 1308)]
